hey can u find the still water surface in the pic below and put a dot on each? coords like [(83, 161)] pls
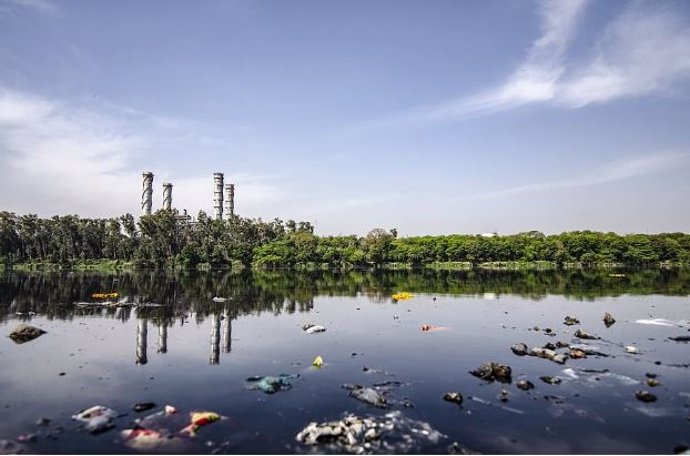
[(196, 354)]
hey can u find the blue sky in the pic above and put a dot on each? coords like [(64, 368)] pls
[(431, 117)]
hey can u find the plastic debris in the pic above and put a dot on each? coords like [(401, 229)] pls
[(145, 439), (391, 433), (96, 419), (198, 420), (520, 349), (503, 396), (661, 322), (576, 353), (311, 329), (454, 397), (493, 372), (11, 447), (588, 350), (143, 406), (24, 333), (609, 320), (580, 334), (367, 395), (218, 299), (524, 385), (652, 382), (271, 384), (318, 362), (550, 380), (456, 448), (112, 295), (402, 296), (645, 396), (548, 354), (428, 328), (632, 350), (570, 321)]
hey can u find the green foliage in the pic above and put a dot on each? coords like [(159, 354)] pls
[(166, 239)]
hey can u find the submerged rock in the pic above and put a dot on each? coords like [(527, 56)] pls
[(454, 397), (570, 321), (609, 320), (493, 372), (25, 333), (524, 385), (391, 433), (645, 396), (580, 334), (369, 396), (519, 349), (550, 380)]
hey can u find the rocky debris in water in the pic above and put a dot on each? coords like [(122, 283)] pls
[(561, 344), (652, 382), (580, 334), (588, 350), (454, 397), (550, 346), (519, 349), (550, 380), (503, 396), (650, 375), (524, 385), (143, 406), (25, 333), (96, 419), (493, 372), (11, 447), (367, 395), (645, 396), (456, 448), (270, 384), (680, 339), (576, 353), (609, 320), (548, 354), (570, 321), (391, 433), (311, 328)]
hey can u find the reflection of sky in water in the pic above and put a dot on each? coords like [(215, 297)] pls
[(202, 364)]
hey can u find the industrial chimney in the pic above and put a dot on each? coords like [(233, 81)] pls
[(218, 195), (167, 195), (230, 201), (147, 193)]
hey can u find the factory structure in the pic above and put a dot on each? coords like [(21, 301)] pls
[(223, 197)]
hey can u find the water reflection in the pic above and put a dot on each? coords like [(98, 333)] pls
[(142, 335), (162, 338), (215, 339)]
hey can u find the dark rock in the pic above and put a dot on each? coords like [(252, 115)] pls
[(519, 349), (650, 375), (454, 397), (524, 385), (493, 372), (550, 346), (570, 321), (580, 334), (25, 333), (561, 344), (609, 320), (680, 338), (645, 396), (548, 330), (503, 396), (143, 406), (550, 380)]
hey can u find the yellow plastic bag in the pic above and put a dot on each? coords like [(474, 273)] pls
[(318, 362)]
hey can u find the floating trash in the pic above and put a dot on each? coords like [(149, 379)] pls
[(454, 397), (96, 419), (271, 384), (367, 395), (318, 362), (311, 328), (570, 321), (402, 296), (112, 295), (218, 299), (609, 320)]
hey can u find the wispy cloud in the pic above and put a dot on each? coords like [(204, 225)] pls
[(620, 170), (642, 51), (58, 157), (40, 6)]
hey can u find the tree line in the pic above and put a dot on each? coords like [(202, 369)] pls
[(166, 239)]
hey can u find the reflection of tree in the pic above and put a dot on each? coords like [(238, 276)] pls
[(54, 295)]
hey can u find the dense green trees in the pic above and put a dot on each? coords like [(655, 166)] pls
[(168, 239)]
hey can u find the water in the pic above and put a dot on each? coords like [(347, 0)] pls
[(196, 355)]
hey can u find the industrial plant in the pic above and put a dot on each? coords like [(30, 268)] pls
[(223, 196)]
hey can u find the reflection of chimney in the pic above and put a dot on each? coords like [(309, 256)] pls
[(167, 196), (215, 339), (227, 334), (162, 338), (218, 195), (229, 201), (142, 333), (147, 193)]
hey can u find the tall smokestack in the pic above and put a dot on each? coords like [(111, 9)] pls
[(147, 193), (230, 201), (218, 195), (167, 195)]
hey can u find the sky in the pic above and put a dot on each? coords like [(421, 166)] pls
[(429, 117)]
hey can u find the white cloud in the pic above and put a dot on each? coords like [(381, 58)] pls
[(41, 6), (87, 159), (624, 169), (644, 50)]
